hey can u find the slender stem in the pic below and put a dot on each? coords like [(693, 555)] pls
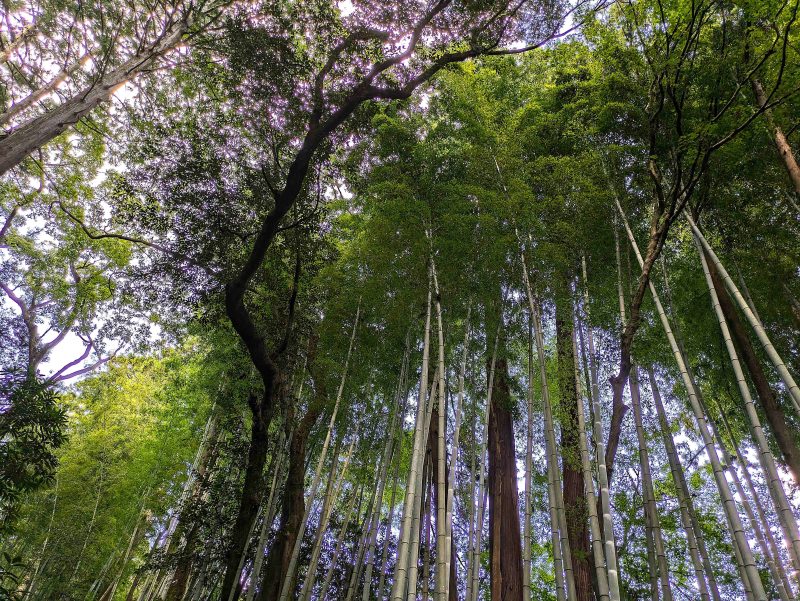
[(741, 542)]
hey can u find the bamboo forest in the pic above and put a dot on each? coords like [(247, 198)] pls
[(409, 300)]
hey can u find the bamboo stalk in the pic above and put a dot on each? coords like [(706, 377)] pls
[(526, 529), (774, 562), (323, 593), (442, 582), (600, 452), (691, 527), (591, 501), (729, 506), (568, 584), (382, 477), (400, 581), (475, 576), (651, 510), (761, 334), (401, 389), (335, 483), (454, 454), (413, 549), (786, 518)]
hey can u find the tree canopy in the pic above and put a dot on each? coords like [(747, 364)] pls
[(350, 299)]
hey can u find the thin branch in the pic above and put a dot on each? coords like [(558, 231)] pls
[(104, 235)]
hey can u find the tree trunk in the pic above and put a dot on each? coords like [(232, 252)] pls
[(618, 382), (292, 552), (34, 134), (575, 506), (505, 550), (27, 33), (784, 149), (44, 90), (784, 434), (253, 486), (293, 507)]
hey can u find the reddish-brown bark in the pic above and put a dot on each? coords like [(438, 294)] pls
[(575, 506), (505, 546)]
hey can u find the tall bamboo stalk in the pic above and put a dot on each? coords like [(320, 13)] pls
[(442, 581), (454, 453), (786, 517), (475, 565), (550, 441), (323, 593), (694, 534), (774, 557), (472, 508), (400, 581), (134, 540), (744, 500), (401, 391), (335, 483), (387, 537), (289, 576), (366, 533), (755, 323), (591, 500), (526, 528), (413, 549), (269, 514), (555, 536), (729, 506), (426, 528), (651, 510), (31, 587), (600, 452), (382, 477)]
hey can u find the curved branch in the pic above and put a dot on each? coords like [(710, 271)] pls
[(94, 235)]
